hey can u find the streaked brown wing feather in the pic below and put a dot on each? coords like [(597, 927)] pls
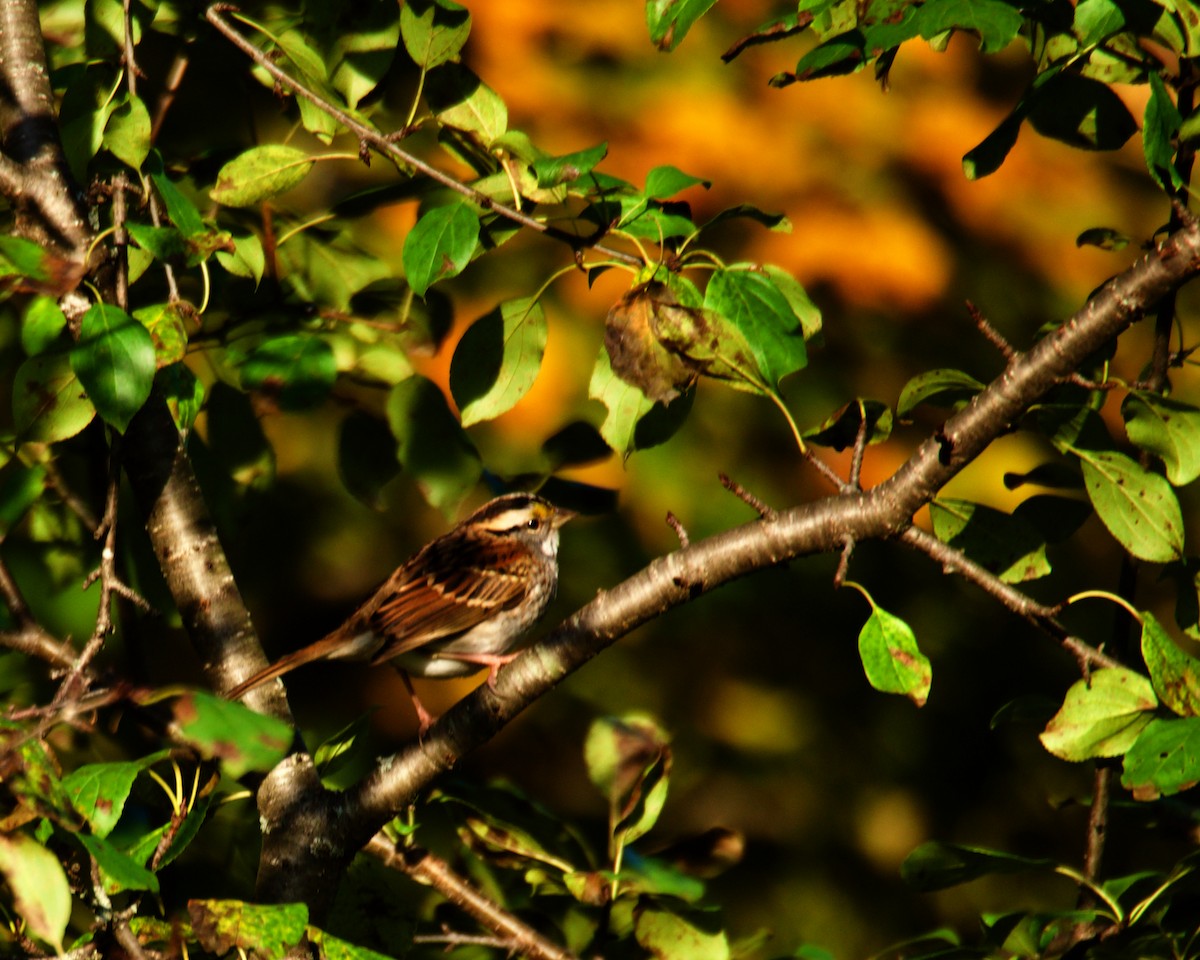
[(448, 588)]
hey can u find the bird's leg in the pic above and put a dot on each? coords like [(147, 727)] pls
[(425, 719), (493, 661)]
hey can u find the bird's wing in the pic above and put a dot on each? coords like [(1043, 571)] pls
[(445, 590)]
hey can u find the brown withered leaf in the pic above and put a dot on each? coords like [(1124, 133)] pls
[(634, 349)]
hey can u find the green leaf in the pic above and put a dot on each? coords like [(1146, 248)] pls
[(996, 23), (1167, 428), (270, 931), (797, 297), (119, 870), (459, 99), (439, 245), (497, 359), (247, 259), (1175, 674), (259, 174), (1105, 238), (333, 948), (937, 865), (1138, 507), (1164, 760), (20, 488), (184, 394), (551, 171), (163, 243), (143, 850), (942, 388), (1160, 125), (431, 445), (1001, 543), (99, 790), (1083, 113), (41, 325), (670, 937), (753, 303), (987, 156), (890, 656), (747, 211), (241, 739), (180, 209), (127, 133), (1097, 20), (666, 181), (366, 457), (840, 430), (837, 56), (167, 326), (629, 761), (669, 20), (633, 421), (1101, 716), (434, 31), (364, 55), (23, 258), (115, 362), (40, 892), (296, 370)]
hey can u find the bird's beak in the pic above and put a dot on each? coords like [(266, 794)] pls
[(561, 516)]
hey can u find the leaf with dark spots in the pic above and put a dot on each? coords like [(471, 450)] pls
[(635, 350)]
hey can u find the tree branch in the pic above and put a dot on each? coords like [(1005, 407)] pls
[(35, 177), (388, 147), (305, 824)]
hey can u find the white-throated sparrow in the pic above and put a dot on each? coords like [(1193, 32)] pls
[(460, 603)]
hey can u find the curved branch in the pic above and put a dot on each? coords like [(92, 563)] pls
[(384, 145), (303, 823)]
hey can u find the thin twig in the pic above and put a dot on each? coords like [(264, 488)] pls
[(131, 68), (990, 333), (1041, 616), (843, 567), (516, 936), (762, 509), (860, 447), (825, 469), (680, 532), (170, 89), (382, 144)]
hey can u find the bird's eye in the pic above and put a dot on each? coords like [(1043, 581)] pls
[(534, 523)]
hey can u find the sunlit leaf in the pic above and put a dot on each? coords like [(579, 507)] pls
[(996, 23), (364, 55), (41, 325), (942, 388), (433, 31), (1101, 716), (167, 325), (1001, 543), (668, 936), (118, 870), (248, 258), (1138, 507), (629, 760), (669, 20), (891, 658), (268, 930), (1164, 760), (551, 171), (666, 181), (497, 359), (1159, 127), (40, 892), (242, 740), (260, 173), (115, 362), (1168, 428), (99, 790), (127, 133), (459, 99), (1105, 238), (754, 304), (1174, 673), (296, 370), (439, 245)]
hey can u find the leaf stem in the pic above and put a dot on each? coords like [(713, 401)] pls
[(1105, 595)]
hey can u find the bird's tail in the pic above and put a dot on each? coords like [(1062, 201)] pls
[(336, 646)]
